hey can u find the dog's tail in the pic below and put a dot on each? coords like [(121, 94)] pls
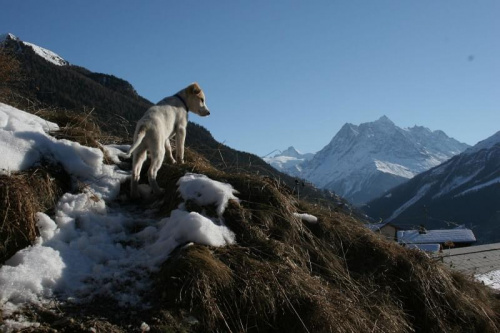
[(140, 136)]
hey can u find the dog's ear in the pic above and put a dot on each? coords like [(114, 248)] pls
[(194, 88)]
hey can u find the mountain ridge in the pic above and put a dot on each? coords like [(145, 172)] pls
[(289, 161), (444, 195), (44, 53)]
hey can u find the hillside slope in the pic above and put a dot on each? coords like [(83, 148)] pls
[(67, 86), (203, 257), (463, 190)]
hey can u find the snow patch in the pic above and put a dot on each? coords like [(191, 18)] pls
[(307, 218), (456, 182), (394, 169), (205, 191), (115, 151), (420, 194), (183, 227), (47, 55), (20, 133), (491, 279), (480, 186)]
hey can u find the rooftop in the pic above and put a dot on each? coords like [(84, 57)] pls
[(458, 235), (479, 259)]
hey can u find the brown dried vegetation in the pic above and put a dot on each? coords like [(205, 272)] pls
[(22, 195), (285, 275)]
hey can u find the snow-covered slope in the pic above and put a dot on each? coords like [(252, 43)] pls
[(361, 162), (91, 247), (289, 161), (463, 190), (42, 52)]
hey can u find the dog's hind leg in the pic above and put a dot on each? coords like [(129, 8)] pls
[(138, 160), (157, 156)]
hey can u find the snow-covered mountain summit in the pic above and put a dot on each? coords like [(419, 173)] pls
[(363, 161), (289, 160), (48, 55), (292, 152)]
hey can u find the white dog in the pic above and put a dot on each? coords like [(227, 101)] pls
[(153, 132)]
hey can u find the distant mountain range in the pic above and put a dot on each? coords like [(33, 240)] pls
[(463, 190), (362, 162), (289, 161)]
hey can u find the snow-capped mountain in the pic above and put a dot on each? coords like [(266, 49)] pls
[(362, 162), (42, 52), (289, 161), (463, 190)]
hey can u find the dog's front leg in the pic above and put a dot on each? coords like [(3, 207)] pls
[(180, 137), (168, 152)]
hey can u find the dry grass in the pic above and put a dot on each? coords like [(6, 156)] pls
[(22, 195), (334, 276), (81, 127)]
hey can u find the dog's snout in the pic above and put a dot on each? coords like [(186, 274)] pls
[(208, 113)]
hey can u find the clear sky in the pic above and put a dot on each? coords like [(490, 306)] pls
[(280, 73)]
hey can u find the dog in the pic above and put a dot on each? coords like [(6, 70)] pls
[(154, 130)]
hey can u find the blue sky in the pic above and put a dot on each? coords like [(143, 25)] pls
[(280, 73)]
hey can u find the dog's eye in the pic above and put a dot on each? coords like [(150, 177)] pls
[(203, 101)]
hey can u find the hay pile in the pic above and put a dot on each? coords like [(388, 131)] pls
[(285, 275)]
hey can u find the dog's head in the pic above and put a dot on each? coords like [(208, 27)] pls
[(195, 99)]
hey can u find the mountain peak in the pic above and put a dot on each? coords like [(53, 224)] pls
[(47, 55), (290, 150), (384, 120), (363, 161), (7, 36), (289, 160)]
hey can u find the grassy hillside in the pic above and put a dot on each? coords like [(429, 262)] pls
[(282, 275)]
